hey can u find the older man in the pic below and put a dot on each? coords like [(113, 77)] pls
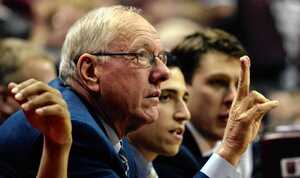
[(111, 68), (110, 74)]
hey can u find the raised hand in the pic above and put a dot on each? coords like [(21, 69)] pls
[(246, 113), (45, 109)]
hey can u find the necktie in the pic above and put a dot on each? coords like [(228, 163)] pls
[(122, 155)]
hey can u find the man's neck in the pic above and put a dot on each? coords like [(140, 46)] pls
[(205, 144), (149, 156), (112, 135)]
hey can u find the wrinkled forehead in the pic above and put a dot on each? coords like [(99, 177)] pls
[(135, 33)]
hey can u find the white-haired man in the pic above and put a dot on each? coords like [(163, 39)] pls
[(111, 67)]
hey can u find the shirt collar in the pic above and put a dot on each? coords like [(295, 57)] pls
[(112, 135), (200, 141), (144, 166)]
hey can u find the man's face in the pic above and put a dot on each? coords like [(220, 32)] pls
[(131, 91), (164, 136), (212, 91)]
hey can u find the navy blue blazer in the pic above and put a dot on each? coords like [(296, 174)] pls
[(141, 165), (187, 163), (92, 154)]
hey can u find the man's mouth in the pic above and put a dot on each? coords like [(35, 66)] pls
[(178, 132)]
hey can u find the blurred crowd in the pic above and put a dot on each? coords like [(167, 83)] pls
[(33, 31)]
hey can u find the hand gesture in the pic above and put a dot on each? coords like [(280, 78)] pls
[(45, 109), (246, 113)]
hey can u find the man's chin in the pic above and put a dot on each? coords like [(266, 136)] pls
[(141, 119)]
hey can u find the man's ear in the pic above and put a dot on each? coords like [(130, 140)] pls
[(86, 66)]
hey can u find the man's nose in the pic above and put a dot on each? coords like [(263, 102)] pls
[(182, 112), (159, 73)]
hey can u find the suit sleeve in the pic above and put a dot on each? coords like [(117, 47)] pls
[(21, 148), (18, 143)]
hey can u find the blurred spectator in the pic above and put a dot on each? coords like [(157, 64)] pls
[(53, 19), (21, 7), (173, 30), (255, 27), (157, 11), (288, 112), (20, 60), (12, 24), (287, 18), (219, 10)]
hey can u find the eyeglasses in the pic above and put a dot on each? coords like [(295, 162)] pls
[(143, 58)]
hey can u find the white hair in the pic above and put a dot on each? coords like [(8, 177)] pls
[(91, 33)]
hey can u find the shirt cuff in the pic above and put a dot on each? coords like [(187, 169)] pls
[(217, 167)]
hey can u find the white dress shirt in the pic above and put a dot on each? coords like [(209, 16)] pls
[(216, 162)]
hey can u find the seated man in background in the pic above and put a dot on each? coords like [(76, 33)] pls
[(164, 136), (110, 75), (210, 63), (19, 61)]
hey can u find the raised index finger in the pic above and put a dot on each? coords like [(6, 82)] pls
[(244, 79)]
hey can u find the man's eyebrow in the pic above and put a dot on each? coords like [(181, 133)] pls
[(174, 91), (146, 45)]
